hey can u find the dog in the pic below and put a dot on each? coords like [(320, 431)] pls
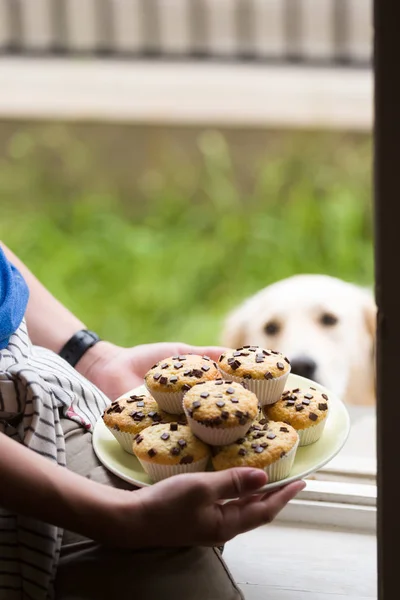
[(324, 325)]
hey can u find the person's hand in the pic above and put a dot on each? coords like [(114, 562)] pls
[(116, 370), (188, 510)]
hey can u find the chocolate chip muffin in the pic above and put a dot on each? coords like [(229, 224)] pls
[(271, 447), (263, 371), (171, 377), (169, 449), (219, 412), (304, 409), (129, 415)]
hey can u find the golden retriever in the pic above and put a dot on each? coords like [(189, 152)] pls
[(325, 326)]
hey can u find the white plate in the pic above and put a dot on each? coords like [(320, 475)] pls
[(308, 458)]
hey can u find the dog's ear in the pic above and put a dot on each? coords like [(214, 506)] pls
[(234, 328), (370, 313)]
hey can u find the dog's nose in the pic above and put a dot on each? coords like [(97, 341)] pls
[(304, 366)]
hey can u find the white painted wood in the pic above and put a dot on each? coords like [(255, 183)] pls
[(4, 26), (317, 40), (81, 24), (269, 31), (281, 562), (323, 514), (234, 95), (37, 31), (128, 25), (222, 38), (174, 25), (360, 32), (340, 492)]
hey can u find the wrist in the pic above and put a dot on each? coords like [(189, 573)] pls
[(95, 359)]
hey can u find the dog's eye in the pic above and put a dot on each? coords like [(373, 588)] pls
[(272, 328), (328, 319)]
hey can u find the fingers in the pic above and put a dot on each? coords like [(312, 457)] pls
[(213, 352), (243, 515), (234, 483)]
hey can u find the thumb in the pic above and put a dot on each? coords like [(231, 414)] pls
[(237, 482)]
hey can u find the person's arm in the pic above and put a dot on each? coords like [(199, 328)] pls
[(113, 369), (50, 323), (180, 511)]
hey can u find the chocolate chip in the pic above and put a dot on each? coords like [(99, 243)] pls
[(165, 436), (220, 403), (287, 360), (306, 402), (308, 396), (139, 439), (181, 357), (246, 346), (296, 391), (182, 443), (313, 416), (225, 414), (280, 366), (230, 390), (163, 380), (324, 396), (197, 373), (175, 358), (240, 441), (271, 435), (242, 452), (205, 357), (178, 365), (263, 421), (312, 388), (186, 460), (218, 382), (259, 449), (264, 445), (196, 404), (140, 404), (266, 353), (175, 451), (234, 400), (274, 352), (205, 368), (284, 429), (185, 387), (299, 407), (155, 416), (323, 406), (237, 353), (156, 376), (173, 379), (230, 360), (258, 434), (221, 358), (204, 395), (247, 376), (259, 358), (173, 426), (152, 452), (268, 375), (290, 403), (164, 366), (283, 454), (235, 365), (188, 373)]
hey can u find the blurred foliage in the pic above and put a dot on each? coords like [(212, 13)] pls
[(168, 256)]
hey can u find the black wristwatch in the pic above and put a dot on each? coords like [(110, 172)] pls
[(76, 346)]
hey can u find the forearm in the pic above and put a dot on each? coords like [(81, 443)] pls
[(50, 323), (31, 485)]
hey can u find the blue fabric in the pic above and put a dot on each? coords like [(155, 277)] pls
[(14, 294)]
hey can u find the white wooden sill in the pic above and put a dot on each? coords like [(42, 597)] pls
[(334, 504)]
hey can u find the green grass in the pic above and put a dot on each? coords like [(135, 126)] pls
[(167, 256)]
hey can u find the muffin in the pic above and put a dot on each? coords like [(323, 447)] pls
[(169, 449), (219, 412), (263, 371), (129, 415), (271, 447), (170, 378), (304, 409)]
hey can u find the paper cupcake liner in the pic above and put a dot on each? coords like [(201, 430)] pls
[(159, 472), (311, 434), (171, 402), (124, 439), (268, 391), (282, 467), (217, 436)]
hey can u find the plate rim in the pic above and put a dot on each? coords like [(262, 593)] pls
[(267, 487)]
